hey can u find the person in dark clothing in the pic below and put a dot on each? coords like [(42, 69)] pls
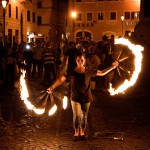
[(107, 59), (37, 58), (1, 67), (28, 57), (9, 63), (70, 54), (49, 58), (81, 95)]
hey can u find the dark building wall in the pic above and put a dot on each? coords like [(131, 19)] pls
[(146, 8)]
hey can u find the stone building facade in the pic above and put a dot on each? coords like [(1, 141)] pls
[(142, 29), (95, 18), (28, 20)]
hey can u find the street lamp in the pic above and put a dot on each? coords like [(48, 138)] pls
[(74, 15), (122, 19), (4, 4)]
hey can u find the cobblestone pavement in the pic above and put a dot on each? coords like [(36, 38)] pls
[(119, 122)]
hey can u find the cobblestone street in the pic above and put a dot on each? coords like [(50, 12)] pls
[(119, 122)]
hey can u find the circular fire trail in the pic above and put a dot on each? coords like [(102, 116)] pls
[(137, 52), (40, 106)]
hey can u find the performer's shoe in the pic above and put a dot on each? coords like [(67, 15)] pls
[(75, 138), (84, 137)]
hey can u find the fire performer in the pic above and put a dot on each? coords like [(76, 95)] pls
[(81, 95)]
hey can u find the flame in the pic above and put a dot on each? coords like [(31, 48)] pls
[(137, 51), (24, 91), (24, 94), (52, 110), (65, 100), (38, 111)]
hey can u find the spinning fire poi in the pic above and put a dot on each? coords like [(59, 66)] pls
[(133, 72), (129, 65), (43, 99)]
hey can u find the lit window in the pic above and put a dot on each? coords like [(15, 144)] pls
[(135, 15), (100, 16)]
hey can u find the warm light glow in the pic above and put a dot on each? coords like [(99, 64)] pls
[(65, 100), (38, 111), (74, 14), (122, 17), (25, 95), (52, 110), (24, 91), (136, 50), (4, 3)]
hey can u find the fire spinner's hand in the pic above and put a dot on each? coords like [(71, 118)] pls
[(49, 90), (115, 64)]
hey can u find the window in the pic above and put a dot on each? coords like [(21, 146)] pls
[(127, 15), (113, 16), (79, 17), (39, 20), (78, 0), (10, 36), (39, 4), (89, 0), (33, 17), (28, 15), (100, 16), (135, 15), (89, 17), (9, 12), (16, 12), (16, 36)]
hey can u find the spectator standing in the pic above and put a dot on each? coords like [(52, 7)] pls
[(49, 58), (37, 58), (28, 57), (1, 59), (107, 59), (69, 55), (9, 66), (20, 60), (93, 60)]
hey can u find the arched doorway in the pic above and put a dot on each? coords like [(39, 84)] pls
[(108, 34), (83, 36)]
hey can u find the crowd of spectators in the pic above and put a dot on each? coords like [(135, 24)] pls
[(49, 60)]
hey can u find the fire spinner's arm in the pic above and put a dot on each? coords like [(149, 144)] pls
[(56, 83), (107, 70)]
